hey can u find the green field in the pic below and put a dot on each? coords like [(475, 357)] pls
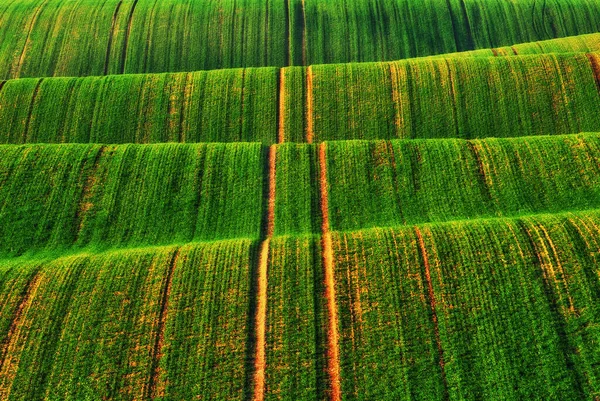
[(317, 200), (474, 97), (74, 38)]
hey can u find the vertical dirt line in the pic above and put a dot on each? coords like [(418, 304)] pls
[(514, 50), (281, 108), (152, 390), (395, 97), (304, 40), (436, 328), (310, 134), (261, 323), (17, 320), (126, 39), (85, 204), (333, 358), (595, 68), (111, 37), (30, 111), (36, 15)]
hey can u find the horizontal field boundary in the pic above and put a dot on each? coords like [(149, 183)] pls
[(467, 54), (49, 255), (317, 118)]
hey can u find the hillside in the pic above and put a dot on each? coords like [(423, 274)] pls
[(299, 200)]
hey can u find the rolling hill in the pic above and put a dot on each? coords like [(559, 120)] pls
[(299, 200)]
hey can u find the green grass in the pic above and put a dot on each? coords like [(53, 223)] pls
[(388, 183), (514, 301), (206, 336), (217, 106), (387, 339), (295, 320), (58, 196), (516, 298), (92, 323), (58, 38), (473, 97)]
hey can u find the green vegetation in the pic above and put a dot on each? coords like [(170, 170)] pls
[(59, 38), (299, 200), (474, 97), (206, 335), (513, 299), (391, 183), (92, 324), (54, 197), (295, 320)]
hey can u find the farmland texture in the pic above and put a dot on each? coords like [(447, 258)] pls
[(474, 97), (299, 200), (75, 38)]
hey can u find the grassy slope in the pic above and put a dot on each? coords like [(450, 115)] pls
[(513, 297), (56, 196), (96, 323), (133, 195), (57, 38), (474, 97), (513, 302)]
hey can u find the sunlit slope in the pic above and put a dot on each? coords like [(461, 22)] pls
[(176, 322), (55, 197), (464, 97), (68, 38)]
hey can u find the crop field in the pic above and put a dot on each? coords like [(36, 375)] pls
[(474, 97), (318, 200), (56, 37)]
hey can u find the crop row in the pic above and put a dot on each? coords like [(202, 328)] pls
[(66, 38), (54, 197), (473, 97), (500, 308)]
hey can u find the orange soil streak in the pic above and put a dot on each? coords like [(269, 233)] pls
[(309, 106), (86, 196), (8, 365), (560, 268), (514, 50), (595, 68), (261, 323), (396, 96), (153, 388), (281, 131), (28, 39), (333, 360), (272, 184), (111, 37), (432, 303)]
